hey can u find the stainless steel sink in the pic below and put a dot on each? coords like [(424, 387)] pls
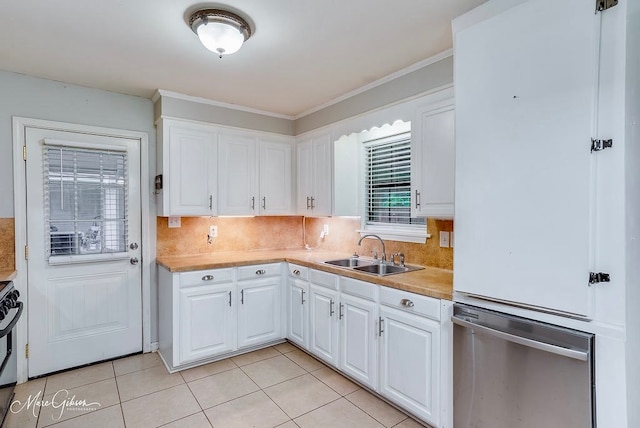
[(385, 269), (371, 267), (349, 263)]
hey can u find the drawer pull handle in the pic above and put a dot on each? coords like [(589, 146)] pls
[(340, 315), (229, 298), (207, 278), (331, 311), (380, 324), (261, 272), (302, 294), (406, 303), (242, 296), (296, 272)]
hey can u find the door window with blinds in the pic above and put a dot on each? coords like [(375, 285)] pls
[(388, 184), (85, 202)]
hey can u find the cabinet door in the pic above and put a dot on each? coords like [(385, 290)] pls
[(524, 120), (298, 313), (410, 363), (359, 344), (191, 180), (322, 176), (433, 161), (259, 311), (238, 175), (323, 324), (304, 174), (275, 177), (207, 325)]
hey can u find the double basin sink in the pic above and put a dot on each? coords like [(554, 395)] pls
[(371, 267)]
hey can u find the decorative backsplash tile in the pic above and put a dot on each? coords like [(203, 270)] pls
[(7, 244), (265, 233)]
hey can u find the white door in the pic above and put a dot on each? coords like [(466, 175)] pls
[(323, 340), (238, 169), (84, 240), (259, 311), (298, 314), (322, 176), (275, 177), (359, 350), (304, 173)]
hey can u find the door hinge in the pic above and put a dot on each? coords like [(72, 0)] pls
[(26, 252), (597, 145), (605, 4), (24, 153), (26, 351), (598, 277)]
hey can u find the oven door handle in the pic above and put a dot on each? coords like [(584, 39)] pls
[(547, 347), (13, 322)]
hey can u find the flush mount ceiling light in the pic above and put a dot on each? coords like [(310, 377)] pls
[(220, 31)]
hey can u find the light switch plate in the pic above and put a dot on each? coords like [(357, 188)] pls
[(444, 239), (174, 221)]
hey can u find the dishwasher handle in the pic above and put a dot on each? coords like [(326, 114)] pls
[(554, 349)]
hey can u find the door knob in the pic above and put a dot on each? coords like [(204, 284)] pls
[(134, 260), (133, 245)]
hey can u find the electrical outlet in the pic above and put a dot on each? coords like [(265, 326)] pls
[(325, 230), (444, 239), (213, 231), (174, 221), (451, 240)]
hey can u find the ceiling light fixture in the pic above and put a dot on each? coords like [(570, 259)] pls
[(220, 31)]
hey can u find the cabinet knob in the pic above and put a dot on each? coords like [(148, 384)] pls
[(261, 272), (406, 303), (207, 278), (296, 272)]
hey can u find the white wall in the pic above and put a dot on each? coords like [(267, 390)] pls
[(36, 98)]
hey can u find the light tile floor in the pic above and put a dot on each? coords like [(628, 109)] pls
[(279, 386)]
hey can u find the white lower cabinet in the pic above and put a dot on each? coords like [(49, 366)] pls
[(206, 321), (298, 306), (409, 362), (259, 311), (323, 317)]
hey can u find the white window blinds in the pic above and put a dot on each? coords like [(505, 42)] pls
[(85, 200), (388, 181)]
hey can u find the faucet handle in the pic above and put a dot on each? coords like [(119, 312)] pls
[(400, 256), (355, 255)]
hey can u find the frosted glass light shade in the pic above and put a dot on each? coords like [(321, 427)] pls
[(220, 38), (220, 31)]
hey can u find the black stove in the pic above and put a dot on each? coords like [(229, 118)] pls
[(10, 312)]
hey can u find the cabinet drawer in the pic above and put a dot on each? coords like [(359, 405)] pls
[(363, 289), (298, 271), (205, 277), (258, 271), (410, 302), (325, 279)]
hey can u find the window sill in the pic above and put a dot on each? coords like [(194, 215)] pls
[(418, 236)]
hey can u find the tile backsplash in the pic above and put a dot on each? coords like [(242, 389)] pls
[(7, 244), (266, 233)]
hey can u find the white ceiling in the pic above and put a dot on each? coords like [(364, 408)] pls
[(304, 53)]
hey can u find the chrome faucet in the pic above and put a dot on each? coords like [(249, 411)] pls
[(383, 257)]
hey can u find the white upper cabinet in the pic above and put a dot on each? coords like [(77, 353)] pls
[(433, 160), (275, 176), (238, 168), (314, 172), (187, 160), (526, 81), (255, 174)]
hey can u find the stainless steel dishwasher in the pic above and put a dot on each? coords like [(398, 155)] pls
[(512, 372)]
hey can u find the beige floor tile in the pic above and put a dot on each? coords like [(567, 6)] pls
[(110, 417), (301, 395), (304, 360), (207, 370), (79, 377), (160, 407), (285, 347), (254, 410), (252, 357), (338, 414), (410, 423), (378, 409), (272, 371), (199, 420), (136, 363), (289, 424), (146, 381), (222, 387), (24, 413), (74, 402), (335, 381)]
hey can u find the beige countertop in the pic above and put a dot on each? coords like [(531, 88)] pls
[(432, 282), (7, 275)]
